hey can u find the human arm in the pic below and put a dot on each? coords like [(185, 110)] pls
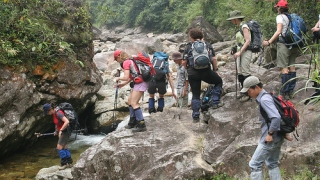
[(125, 79), (64, 126), (247, 40), (214, 63), (169, 76), (316, 27), (275, 35), (273, 117)]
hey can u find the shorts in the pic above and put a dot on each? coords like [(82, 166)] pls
[(157, 86), (140, 87), (286, 57), (63, 140)]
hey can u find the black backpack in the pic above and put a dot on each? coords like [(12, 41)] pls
[(70, 114), (256, 36), (206, 98)]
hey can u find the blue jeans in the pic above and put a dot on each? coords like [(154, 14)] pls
[(268, 153)]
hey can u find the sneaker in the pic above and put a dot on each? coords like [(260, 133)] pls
[(62, 167), (140, 127), (244, 99), (216, 106)]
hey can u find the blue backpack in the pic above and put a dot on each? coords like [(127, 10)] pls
[(296, 29), (161, 65)]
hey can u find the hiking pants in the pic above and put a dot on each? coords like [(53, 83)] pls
[(243, 63), (270, 155), (210, 77)]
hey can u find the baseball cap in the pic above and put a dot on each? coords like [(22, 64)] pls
[(46, 107), (282, 3), (250, 81), (116, 53)]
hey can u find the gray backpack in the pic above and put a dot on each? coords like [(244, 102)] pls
[(200, 55)]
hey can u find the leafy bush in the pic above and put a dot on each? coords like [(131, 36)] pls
[(34, 32)]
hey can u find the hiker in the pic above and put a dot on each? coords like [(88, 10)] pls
[(241, 53), (286, 55), (198, 73), (136, 122), (316, 32), (63, 132), (159, 84), (270, 142), (182, 80)]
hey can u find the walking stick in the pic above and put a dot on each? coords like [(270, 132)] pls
[(235, 60), (45, 134), (114, 125)]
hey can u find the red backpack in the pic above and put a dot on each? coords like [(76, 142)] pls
[(289, 114), (144, 65)]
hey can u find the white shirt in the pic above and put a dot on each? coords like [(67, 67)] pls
[(284, 20)]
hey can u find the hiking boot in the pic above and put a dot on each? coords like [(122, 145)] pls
[(239, 95), (69, 165), (141, 126), (290, 95), (216, 106), (244, 99), (196, 120), (159, 109), (62, 167), (132, 123), (152, 110)]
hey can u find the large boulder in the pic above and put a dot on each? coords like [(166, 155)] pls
[(209, 31)]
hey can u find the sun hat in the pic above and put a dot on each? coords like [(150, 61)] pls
[(235, 15), (250, 81), (46, 107), (176, 56), (116, 53), (282, 3)]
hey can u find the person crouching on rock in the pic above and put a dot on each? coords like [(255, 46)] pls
[(61, 126), (136, 122)]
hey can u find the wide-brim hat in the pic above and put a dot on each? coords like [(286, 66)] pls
[(235, 15)]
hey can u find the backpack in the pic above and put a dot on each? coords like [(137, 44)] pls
[(160, 65), (288, 112), (296, 28), (70, 114), (206, 98), (256, 36), (199, 58), (145, 67)]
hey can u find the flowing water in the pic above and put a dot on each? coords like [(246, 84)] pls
[(25, 165)]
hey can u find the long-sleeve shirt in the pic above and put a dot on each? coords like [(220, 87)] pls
[(267, 103)]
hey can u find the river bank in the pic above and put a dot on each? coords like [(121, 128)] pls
[(26, 164)]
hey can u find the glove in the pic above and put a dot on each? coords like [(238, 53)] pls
[(233, 50)]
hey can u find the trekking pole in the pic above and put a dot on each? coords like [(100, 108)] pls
[(45, 134), (235, 60), (115, 106)]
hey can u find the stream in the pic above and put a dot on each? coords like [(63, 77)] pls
[(25, 165)]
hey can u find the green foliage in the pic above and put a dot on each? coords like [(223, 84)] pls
[(35, 32), (176, 15)]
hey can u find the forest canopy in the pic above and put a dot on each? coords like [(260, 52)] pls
[(175, 15)]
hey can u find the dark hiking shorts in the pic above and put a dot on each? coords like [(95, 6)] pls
[(161, 86), (63, 140)]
